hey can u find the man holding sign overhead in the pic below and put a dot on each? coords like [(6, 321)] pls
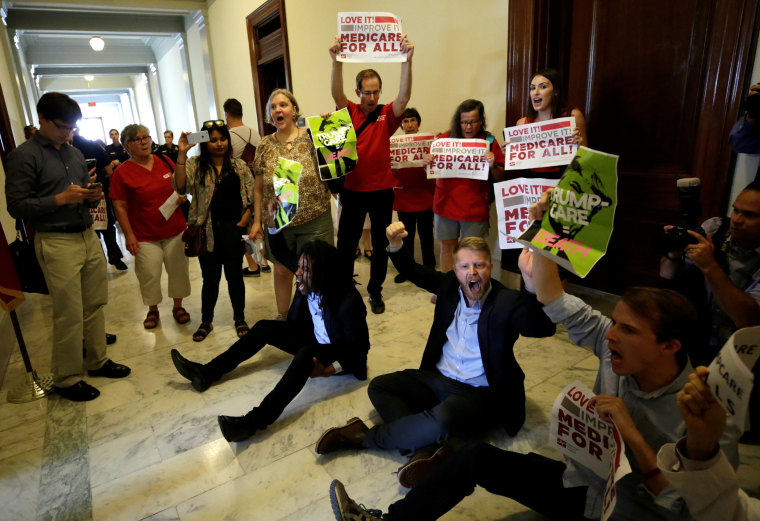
[(369, 187)]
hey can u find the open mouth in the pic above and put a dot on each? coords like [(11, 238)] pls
[(300, 285), (279, 118), (473, 286), (615, 357), (537, 101)]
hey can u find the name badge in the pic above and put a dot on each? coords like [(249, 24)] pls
[(166, 176)]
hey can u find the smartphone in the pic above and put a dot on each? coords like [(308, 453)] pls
[(91, 163), (93, 186), (198, 137)]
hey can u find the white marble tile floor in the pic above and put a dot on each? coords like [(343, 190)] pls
[(149, 447)]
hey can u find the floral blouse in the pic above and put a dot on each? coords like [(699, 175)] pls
[(199, 207), (313, 195)]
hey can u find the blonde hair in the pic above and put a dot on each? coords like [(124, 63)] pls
[(474, 244), (287, 94)]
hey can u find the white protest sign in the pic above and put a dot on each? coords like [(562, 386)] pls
[(513, 198), (464, 158), (536, 145), (370, 37), (408, 150), (730, 378), (581, 435), (99, 215)]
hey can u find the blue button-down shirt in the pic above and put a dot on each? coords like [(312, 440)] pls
[(461, 358)]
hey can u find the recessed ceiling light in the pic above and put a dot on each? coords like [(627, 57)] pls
[(97, 43), (89, 77)]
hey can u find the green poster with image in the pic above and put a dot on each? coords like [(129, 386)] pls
[(335, 140), (285, 182), (576, 229)]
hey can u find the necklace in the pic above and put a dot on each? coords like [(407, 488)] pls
[(288, 142)]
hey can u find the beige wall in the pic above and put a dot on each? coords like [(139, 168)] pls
[(230, 59), (448, 66)]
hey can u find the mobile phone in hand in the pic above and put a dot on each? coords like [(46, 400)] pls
[(198, 137)]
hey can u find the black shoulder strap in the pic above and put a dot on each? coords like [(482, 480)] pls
[(167, 163), (371, 118)]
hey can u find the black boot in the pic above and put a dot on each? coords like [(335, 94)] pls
[(192, 371), (236, 428)]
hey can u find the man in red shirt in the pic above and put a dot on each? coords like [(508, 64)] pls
[(369, 187)]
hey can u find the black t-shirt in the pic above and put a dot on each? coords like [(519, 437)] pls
[(227, 204)]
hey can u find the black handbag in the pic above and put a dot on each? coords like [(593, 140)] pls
[(195, 240), (25, 259)]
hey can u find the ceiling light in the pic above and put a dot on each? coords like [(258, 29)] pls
[(97, 43), (89, 77)]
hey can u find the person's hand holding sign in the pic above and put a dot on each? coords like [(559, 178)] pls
[(335, 49), (407, 48)]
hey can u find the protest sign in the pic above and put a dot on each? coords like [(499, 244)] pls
[(465, 158), (285, 181), (541, 144), (576, 229), (513, 198), (370, 37), (99, 216), (577, 431), (730, 378), (335, 140), (408, 150)]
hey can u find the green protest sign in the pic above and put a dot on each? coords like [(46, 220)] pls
[(335, 140), (576, 229), (285, 182)]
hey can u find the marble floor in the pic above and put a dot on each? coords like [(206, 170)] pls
[(149, 447)]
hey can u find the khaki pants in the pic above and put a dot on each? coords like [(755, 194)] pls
[(151, 255), (75, 271)]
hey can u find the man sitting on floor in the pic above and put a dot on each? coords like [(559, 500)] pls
[(468, 379), (326, 331), (643, 364)]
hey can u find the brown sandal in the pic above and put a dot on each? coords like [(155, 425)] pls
[(181, 316), (151, 320), (203, 330)]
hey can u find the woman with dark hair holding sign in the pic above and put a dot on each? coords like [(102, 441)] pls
[(461, 206), (546, 101), (313, 220)]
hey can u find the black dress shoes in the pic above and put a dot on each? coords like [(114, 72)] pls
[(79, 392), (110, 339), (191, 370), (111, 370), (235, 428), (119, 264)]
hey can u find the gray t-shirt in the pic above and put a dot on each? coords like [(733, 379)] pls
[(241, 135)]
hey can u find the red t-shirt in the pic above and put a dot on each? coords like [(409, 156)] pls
[(373, 169), (144, 193), (465, 199), (413, 191)]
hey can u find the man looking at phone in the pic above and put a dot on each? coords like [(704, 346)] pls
[(48, 183)]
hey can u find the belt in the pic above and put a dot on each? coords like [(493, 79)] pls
[(79, 228)]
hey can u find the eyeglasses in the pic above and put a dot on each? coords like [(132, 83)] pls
[(470, 123), (214, 123), (141, 140), (64, 127), (374, 93)]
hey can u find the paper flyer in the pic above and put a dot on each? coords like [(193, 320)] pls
[(370, 37), (731, 378), (576, 230), (335, 140), (541, 144), (582, 436), (408, 150), (285, 182), (463, 158), (513, 199)]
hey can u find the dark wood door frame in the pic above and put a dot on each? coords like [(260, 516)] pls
[(265, 48), (722, 50)]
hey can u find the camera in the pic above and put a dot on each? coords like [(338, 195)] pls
[(677, 238)]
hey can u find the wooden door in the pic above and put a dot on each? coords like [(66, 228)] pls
[(660, 84), (270, 60)]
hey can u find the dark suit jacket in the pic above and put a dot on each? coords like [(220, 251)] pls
[(345, 320), (506, 314)]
